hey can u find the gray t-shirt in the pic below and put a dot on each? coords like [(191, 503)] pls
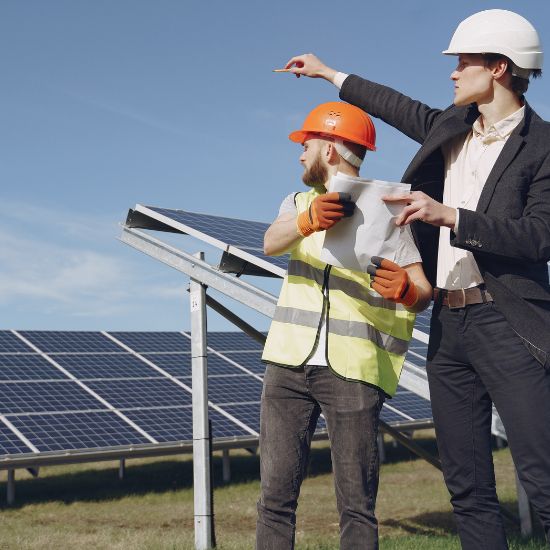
[(406, 252)]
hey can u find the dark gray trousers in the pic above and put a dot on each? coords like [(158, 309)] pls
[(292, 401), (474, 359)]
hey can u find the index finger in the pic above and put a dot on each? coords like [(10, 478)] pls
[(397, 198), (298, 61)]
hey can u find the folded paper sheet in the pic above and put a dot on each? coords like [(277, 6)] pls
[(371, 231)]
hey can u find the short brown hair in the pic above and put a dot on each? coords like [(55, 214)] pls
[(519, 85)]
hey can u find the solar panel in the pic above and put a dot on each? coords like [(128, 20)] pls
[(241, 233), (233, 389), (27, 367), (175, 364), (176, 424), (56, 414), (149, 342), (119, 365), (406, 406), (70, 342), (25, 397), (233, 341), (141, 393), (250, 360), (240, 240), (9, 343), (85, 430), (11, 444)]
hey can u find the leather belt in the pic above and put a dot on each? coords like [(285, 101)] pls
[(462, 297)]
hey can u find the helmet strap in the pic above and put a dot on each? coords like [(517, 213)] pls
[(520, 72), (346, 154)]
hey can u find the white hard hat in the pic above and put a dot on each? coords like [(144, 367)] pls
[(499, 31)]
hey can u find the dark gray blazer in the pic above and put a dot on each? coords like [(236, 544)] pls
[(509, 232)]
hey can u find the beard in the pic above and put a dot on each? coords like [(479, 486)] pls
[(317, 174)]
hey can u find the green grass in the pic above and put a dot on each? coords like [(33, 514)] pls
[(87, 506)]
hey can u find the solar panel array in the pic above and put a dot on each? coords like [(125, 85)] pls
[(244, 235), (80, 391)]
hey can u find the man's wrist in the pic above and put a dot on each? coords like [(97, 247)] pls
[(338, 79)]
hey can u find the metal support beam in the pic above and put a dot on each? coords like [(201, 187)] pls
[(11, 487), (236, 320), (199, 270), (121, 468), (226, 466), (202, 482)]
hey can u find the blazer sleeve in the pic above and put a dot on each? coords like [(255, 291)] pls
[(411, 117), (525, 238)]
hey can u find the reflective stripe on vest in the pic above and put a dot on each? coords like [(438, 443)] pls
[(367, 336)]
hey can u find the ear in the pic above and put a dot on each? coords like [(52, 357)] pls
[(331, 155), (499, 68)]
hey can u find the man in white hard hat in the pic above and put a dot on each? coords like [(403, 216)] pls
[(337, 341), (480, 213)]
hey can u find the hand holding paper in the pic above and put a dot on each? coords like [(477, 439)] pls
[(324, 212), (371, 231), (392, 282)]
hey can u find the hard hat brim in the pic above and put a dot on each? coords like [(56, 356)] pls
[(298, 136)]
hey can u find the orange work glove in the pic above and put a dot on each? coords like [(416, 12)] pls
[(392, 282), (324, 211)]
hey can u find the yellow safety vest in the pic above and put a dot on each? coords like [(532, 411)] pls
[(367, 336)]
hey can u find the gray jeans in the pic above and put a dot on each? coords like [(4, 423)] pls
[(292, 400)]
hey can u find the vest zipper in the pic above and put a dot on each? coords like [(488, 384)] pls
[(324, 313)]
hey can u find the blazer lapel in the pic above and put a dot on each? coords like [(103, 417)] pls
[(507, 155), (447, 130)]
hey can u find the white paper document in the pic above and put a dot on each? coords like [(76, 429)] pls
[(371, 231)]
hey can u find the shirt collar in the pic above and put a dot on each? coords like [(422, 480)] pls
[(500, 130)]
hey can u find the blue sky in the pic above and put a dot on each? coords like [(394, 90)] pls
[(105, 104)]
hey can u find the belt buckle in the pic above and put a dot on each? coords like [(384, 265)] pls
[(457, 298)]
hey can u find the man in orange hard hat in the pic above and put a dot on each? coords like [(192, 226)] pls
[(480, 211), (336, 343)]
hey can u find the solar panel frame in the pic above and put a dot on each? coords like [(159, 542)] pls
[(180, 220)]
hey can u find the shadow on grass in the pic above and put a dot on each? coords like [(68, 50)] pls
[(428, 524), (164, 475), (436, 524), (158, 477)]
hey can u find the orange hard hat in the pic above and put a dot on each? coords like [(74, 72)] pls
[(337, 119)]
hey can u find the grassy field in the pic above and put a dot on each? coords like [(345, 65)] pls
[(87, 506)]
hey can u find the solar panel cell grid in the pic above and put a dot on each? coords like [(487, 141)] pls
[(233, 389), (9, 343), (389, 416), (247, 413), (71, 342), (233, 341), (412, 405), (10, 444), (57, 414), (57, 432), (175, 364), (124, 365), (27, 367), (240, 233), (149, 342), (176, 424), (250, 360), (141, 393), (27, 397)]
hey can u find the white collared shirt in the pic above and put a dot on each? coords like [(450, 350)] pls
[(468, 163)]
